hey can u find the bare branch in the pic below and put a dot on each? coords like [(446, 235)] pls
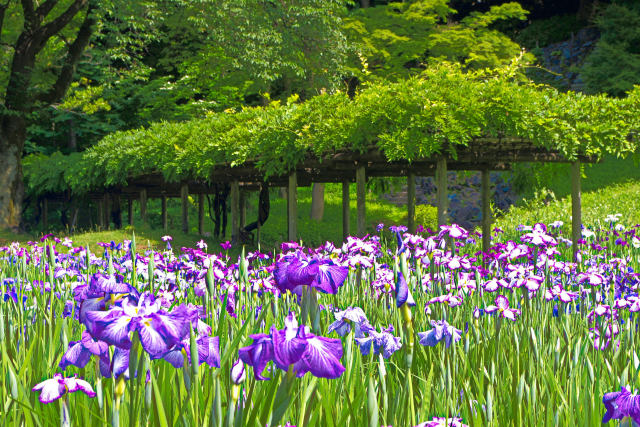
[(43, 10), (29, 16), (61, 21), (74, 53)]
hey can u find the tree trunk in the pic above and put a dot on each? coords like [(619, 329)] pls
[(12, 137), (317, 201), (72, 143), (365, 3)]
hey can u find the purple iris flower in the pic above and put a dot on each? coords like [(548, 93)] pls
[(294, 345), (403, 295), (208, 352), (56, 387), (348, 317), (321, 358), (441, 331), (502, 307), (258, 354), (79, 353), (621, 404), (398, 229), (159, 331), (120, 362), (291, 273), (443, 422), (383, 342)]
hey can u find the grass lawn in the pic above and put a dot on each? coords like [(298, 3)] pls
[(608, 188)]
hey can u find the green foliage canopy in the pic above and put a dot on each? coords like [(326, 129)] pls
[(440, 110)]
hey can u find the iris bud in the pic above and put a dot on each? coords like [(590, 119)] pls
[(238, 373)]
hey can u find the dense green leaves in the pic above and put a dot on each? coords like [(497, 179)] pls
[(443, 108)]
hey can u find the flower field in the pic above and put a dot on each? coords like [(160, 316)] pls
[(391, 329)]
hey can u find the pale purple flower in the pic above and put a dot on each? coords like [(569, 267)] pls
[(441, 331), (56, 387), (502, 307)]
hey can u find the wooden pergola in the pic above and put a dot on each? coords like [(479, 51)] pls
[(483, 154)]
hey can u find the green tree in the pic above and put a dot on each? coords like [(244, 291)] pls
[(43, 43), (614, 65), (397, 39)]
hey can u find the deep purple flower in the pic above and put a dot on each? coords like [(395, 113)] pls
[(294, 345), (441, 331), (258, 354), (56, 387), (226, 245), (288, 346), (403, 294), (321, 358), (79, 354), (291, 273), (157, 329), (621, 404)]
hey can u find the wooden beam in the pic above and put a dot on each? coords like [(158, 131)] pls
[(184, 198), (143, 205), (235, 211), (201, 214), (486, 211), (292, 207), (165, 222), (441, 197), (361, 199), (345, 210), (130, 212), (576, 207), (411, 203)]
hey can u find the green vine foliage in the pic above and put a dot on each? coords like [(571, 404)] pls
[(437, 112)]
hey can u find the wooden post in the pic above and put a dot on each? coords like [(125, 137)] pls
[(486, 211), (107, 211), (101, 213), (345, 210), (243, 209), (143, 205), (235, 211), (411, 203), (184, 198), (130, 212), (201, 214), (576, 207), (165, 223), (442, 198), (45, 213), (292, 207), (116, 211), (360, 196)]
